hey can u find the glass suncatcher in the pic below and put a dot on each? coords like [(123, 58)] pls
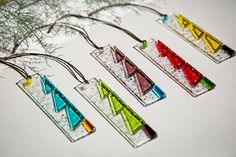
[(120, 66), (129, 75), (128, 123), (57, 107), (197, 37), (176, 68)]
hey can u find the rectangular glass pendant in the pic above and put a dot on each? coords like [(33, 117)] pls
[(197, 37), (128, 123), (129, 75), (176, 68), (57, 107)]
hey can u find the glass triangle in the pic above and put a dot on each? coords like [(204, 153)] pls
[(134, 123), (162, 48), (183, 21), (192, 75), (130, 68), (213, 44), (104, 90), (196, 31), (48, 87), (175, 60), (59, 102), (145, 84), (117, 54), (116, 103), (74, 117)]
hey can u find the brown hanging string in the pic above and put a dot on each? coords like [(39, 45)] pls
[(71, 68), (15, 67), (124, 5), (63, 24)]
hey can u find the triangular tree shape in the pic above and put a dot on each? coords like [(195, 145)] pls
[(129, 67), (116, 103), (104, 90), (213, 43), (175, 60), (74, 116), (162, 48), (196, 31), (145, 83), (60, 102), (133, 122), (48, 87), (117, 54), (183, 21), (192, 75)]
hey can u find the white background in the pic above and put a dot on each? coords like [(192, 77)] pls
[(186, 126)]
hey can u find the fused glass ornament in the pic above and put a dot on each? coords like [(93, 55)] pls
[(128, 123), (57, 107), (176, 68), (129, 75), (197, 37)]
